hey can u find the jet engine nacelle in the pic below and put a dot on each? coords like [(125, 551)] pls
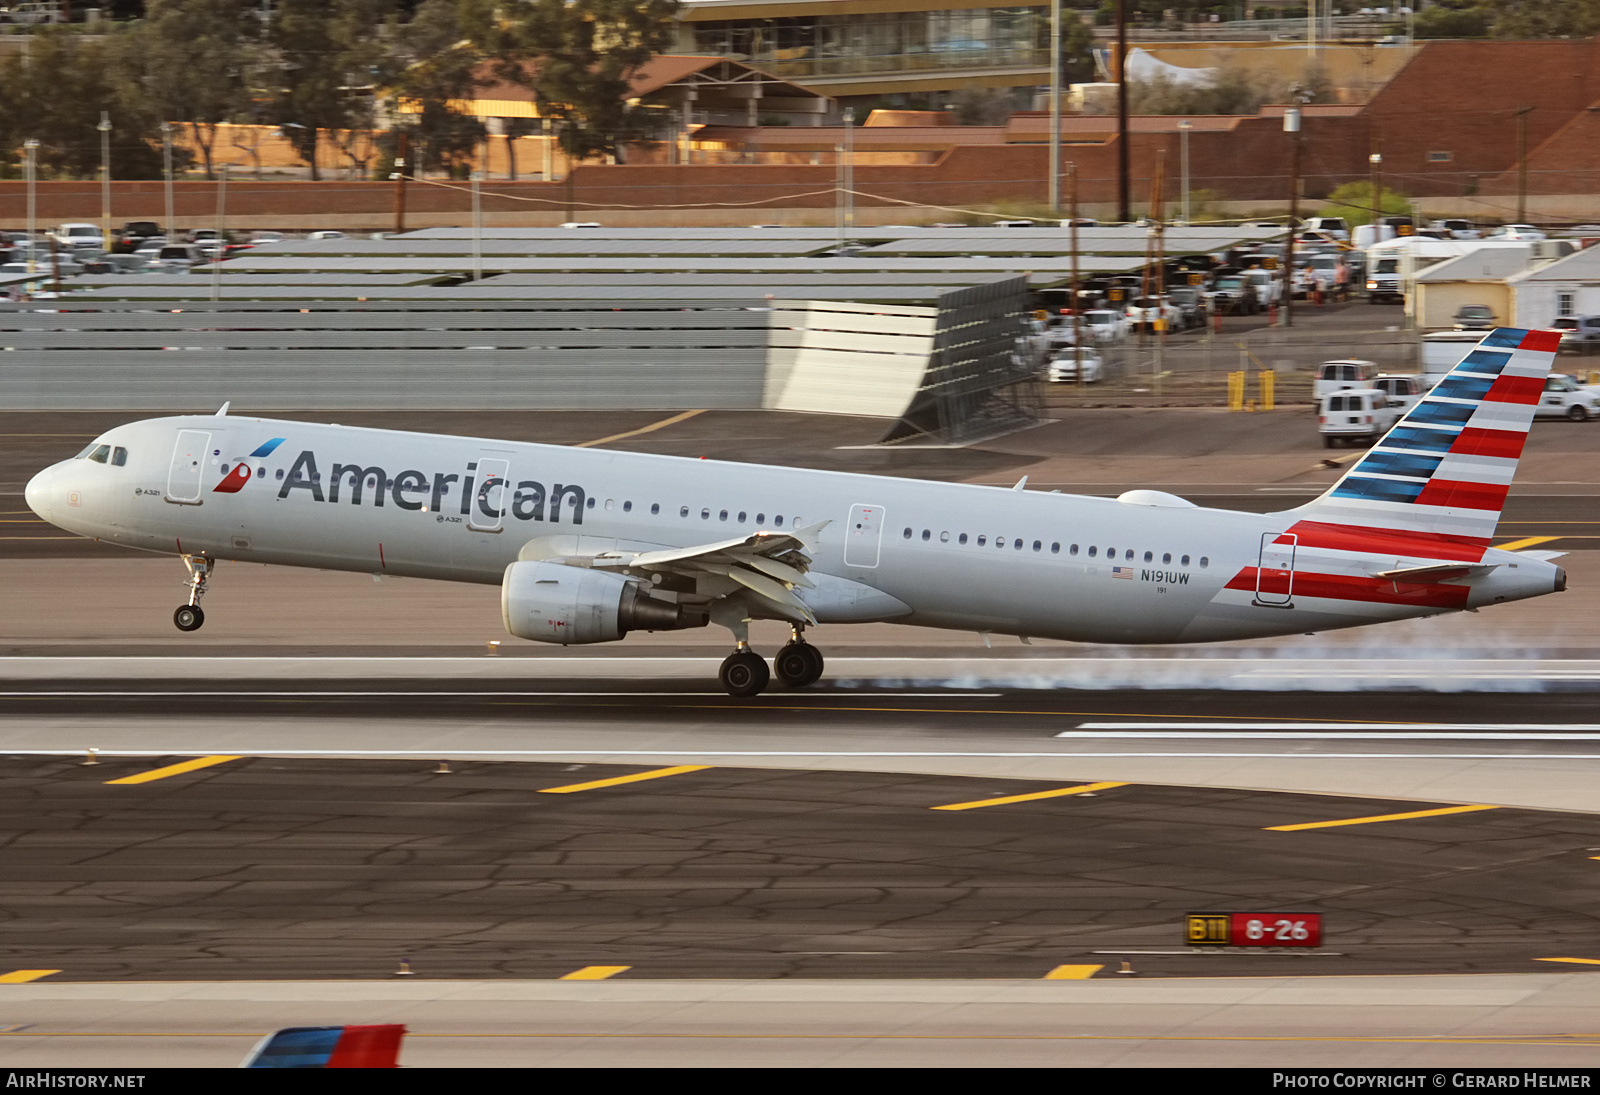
[(554, 603)]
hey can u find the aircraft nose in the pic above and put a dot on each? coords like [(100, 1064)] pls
[(37, 493)]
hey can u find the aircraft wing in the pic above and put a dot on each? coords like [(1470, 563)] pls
[(329, 1047), (768, 564)]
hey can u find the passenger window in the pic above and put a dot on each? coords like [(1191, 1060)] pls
[(999, 541), (655, 509), (1111, 553), (280, 474), (1185, 560), (590, 504), (761, 518), (1093, 551), (723, 516), (705, 515), (944, 537), (1166, 558), (926, 535), (683, 511), (1204, 562), (119, 456), (778, 521), (1073, 550), (1037, 545), (962, 538), (262, 471), (627, 507), (610, 504), (906, 535), (100, 453), (981, 541), (1055, 549), (741, 516), (1017, 543)]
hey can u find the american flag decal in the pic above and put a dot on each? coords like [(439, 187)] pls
[(1122, 572)]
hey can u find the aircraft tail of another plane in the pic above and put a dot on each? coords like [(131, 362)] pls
[(1435, 484), (329, 1047)]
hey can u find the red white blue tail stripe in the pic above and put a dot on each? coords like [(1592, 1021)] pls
[(1442, 473)]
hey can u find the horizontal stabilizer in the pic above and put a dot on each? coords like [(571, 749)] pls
[(1438, 572), (1542, 556)]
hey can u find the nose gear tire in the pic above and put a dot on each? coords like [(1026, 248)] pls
[(188, 618)]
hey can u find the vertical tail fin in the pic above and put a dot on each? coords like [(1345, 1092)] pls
[(329, 1047), (1441, 475)]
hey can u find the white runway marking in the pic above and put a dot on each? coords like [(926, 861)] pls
[(464, 694), (653, 754), (1299, 731)]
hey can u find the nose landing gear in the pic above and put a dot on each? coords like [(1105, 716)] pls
[(189, 617)]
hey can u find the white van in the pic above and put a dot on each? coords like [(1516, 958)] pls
[(1405, 388), (1356, 414), (1443, 351), (1331, 226), (1337, 376)]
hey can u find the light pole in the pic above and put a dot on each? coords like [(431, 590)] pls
[(31, 169), (1184, 125), (1374, 162), (477, 225), (1522, 164), (1291, 126), (166, 168), (1055, 106), (222, 233), (105, 179)]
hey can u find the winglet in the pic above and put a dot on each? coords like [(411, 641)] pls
[(329, 1047), (1023, 482), (224, 409)]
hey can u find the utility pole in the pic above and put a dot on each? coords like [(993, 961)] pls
[(1077, 318), (1184, 125), (1055, 106), (222, 233), (477, 225), (402, 148), (1124, 205), (166, 168), (1375, 187), (105, 179), (30, 165), (1522, 164), (1291, 126)]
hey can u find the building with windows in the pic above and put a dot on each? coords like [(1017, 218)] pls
[(848, 48)]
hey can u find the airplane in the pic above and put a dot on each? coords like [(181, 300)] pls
[(589, 544), (374, 1046)]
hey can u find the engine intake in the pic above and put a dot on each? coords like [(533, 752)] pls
[(554, 603)]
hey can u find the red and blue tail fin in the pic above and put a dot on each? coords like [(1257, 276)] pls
[(1435, 484), (330, 1047)]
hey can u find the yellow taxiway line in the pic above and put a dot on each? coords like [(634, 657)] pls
[(1072, 973), (652, 428), (1526, 542), (173, 770), (1380, 817), (22, 977), (1576, 961), (593, 973), (1033, 796), (617, 781)]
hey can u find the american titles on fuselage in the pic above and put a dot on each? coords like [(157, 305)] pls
[(416, 490)]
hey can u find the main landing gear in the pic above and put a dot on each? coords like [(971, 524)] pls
[(744, 672), (190, 616)]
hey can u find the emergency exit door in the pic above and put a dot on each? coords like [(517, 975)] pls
[(863, 536)]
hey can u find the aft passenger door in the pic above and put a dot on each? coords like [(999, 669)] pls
[(863, 536), (1275, 569), (188, 467)]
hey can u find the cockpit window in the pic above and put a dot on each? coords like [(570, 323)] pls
[(119, 456), (87, 449), (100, 453)]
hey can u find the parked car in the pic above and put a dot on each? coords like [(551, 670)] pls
[(1406, 388), (1564, 397), (1356, 414), (1268, 285), (1518, 232), (1190, 305), (81, 235), (1332, 226), (1579, 334), (133, 235), (1457, 229), (1063, 367), (1144, 312), (1475, 317), (1104, 325), (1383, 281), (175, 258), (1232, 295), (278, 237), (1342, 375)]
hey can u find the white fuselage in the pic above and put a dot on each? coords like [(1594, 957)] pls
[(935, 554)]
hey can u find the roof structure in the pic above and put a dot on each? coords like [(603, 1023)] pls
[(1579, 266), (1483, 264)]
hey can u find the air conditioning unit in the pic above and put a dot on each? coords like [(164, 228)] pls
[(1550, 250)]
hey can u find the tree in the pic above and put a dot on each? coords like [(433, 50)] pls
[(1543, 18), (193, 60), (577, 57), (1353, 201), (1453, 19), (1230, 89), (436, 66), (330, 54)]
